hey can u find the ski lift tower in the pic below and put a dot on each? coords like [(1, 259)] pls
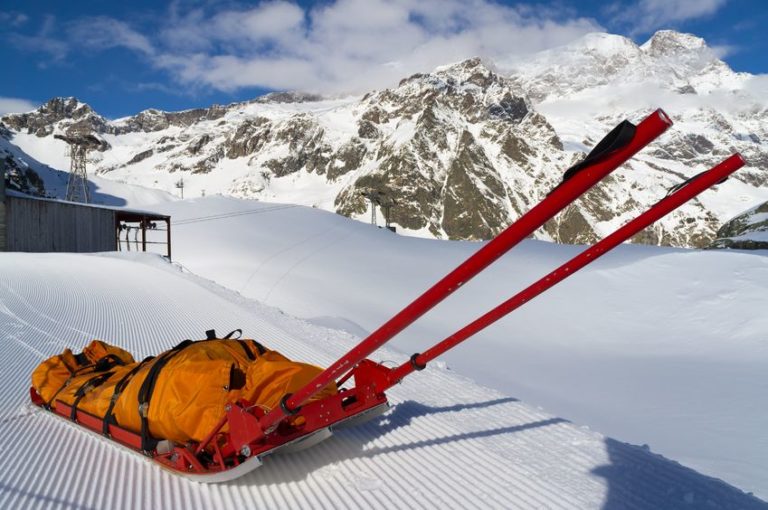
[(77, 184)]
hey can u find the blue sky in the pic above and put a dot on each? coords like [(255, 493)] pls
[(123, 57)]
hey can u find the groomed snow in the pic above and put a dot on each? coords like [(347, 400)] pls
[(447, 443), (656, 346)]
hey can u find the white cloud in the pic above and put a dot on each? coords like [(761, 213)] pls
[(724, 50), (101, 33), (13, 18), (16, 105), (649, 15), (349, 45), (339, 46), (44, 41)]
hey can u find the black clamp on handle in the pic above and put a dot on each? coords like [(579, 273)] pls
[(284, 405), (415, 364)]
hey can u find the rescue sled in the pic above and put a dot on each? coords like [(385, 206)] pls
[(353, 389)]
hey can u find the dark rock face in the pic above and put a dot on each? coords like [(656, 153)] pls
[(195, 147), (471, 195), (249, 138), (155, 120), (19, 177), (513, 109), (141, 156), (40, 122), (348, 158), (306, 146), (737, 232)]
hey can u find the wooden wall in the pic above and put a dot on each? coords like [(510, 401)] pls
[(50, 226)]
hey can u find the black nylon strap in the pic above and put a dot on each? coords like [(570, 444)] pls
[(102, 364), (231, 334), (148, 386), (678, 187), (107, 362), (109, 417), (619, 137), (262, 350), (247, 349), (87, 386), (66, 383)]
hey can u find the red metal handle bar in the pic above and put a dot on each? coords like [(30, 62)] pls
[(647, 131), (659, 210)]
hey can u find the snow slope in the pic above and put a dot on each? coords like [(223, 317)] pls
[(447, 443), (665, 347)]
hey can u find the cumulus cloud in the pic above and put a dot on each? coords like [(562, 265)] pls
[(352, 45), (337, 46), (341, 46), (646, 16), (16, 105)]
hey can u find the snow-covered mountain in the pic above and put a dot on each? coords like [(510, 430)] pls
[(746, 231), (460, 152)]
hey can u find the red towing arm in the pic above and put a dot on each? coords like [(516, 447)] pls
[(677, 197)]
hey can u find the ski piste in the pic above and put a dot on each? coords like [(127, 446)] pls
[(247, 434)]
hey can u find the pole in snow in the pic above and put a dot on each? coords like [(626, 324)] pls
[(180, 186)]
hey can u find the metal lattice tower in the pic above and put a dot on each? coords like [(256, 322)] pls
[(77, 184)]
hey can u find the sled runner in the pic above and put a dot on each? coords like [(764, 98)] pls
[(213, 409)]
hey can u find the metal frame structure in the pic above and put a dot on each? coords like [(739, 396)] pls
[(143, 222), (79, 146)]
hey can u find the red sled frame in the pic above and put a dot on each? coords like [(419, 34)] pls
[(299, 422)]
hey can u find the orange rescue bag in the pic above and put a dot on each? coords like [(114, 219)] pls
[(192, 384)]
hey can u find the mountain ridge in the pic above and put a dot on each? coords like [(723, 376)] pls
[(459, 152)]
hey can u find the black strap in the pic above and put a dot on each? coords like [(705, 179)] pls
[(231, 334), (107, 362), (677, 187), (87, 386), (109, 417), (248, 351), (211, 335), (72, 375), (619, 137), (262, 350), (102, 364), (145, 393)]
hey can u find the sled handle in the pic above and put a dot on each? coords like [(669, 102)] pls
[(677, 197)]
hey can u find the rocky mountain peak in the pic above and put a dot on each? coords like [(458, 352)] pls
[(60, 108), (69, 113), (666, 43)]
